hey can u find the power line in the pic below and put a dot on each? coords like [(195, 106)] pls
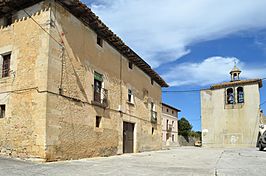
[(188, 91), (42, 28), (263, 103), (174, 91), (181, 91)]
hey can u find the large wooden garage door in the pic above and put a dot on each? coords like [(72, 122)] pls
[(128, 137)]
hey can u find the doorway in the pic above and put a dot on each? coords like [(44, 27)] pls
[(128, 137)]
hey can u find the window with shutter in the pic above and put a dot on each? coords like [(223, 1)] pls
[(6, 65)]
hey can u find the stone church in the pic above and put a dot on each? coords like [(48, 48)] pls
[(230, 112)]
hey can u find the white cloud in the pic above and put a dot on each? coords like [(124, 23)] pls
[(161, 31), (210, 71)]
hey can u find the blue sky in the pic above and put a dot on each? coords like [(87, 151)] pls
[(191, 44)]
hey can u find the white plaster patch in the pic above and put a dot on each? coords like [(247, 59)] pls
[(4, 97)]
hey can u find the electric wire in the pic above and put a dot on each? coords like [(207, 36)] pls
[(42, 28), (62, 95), (60, 44), (174, 91), (263, 103), (188, 91), (182, 91)]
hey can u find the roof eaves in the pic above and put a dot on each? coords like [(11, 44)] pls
[(93, 21), (241, 82), (84, 13), (178, 110)]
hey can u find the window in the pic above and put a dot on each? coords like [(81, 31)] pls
[(130, 65), (153, 112), (167, 110), (98, 79), (173, 138), (6, 65), (152, 82), (100, 41), (130, 98), (240, 95), (152, 130), (98, 121), (168, 136), (152, 106), (230, 99), (2, 111), (173, 112), (235, 76)]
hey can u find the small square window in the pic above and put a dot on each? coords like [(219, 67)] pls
[(99, 41), (130, 65), (130, 96), (152, 106), (98, 121), (2, 111)]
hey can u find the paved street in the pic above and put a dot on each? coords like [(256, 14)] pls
[(180, 161)]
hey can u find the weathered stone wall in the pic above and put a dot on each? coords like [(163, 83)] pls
[(71, 131), (42, 121), (22, 130), (230, 127)]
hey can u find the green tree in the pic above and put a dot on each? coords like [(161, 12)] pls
[(184, 127), (195, 134)]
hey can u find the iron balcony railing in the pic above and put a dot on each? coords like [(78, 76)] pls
[(5, 73), (169, 127), (153, 116), (101, 97)]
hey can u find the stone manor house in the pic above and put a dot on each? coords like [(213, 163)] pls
[(170, 125), (230, 112), (69, 87)]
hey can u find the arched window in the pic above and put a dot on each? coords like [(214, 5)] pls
[(230, 96), (235, 76), (240, 95)]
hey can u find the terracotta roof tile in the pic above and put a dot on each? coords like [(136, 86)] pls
[(236, 83), (169, 106), (84, 13)]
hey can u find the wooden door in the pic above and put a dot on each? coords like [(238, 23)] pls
[(128, 137)]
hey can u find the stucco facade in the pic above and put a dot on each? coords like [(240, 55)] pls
[(51, 108), (169, 125), (230, 119)]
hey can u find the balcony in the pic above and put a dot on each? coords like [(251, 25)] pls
[(100, 97), (153, 117), (169, 128)]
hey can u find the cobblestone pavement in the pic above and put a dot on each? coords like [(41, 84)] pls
[(179, 161)]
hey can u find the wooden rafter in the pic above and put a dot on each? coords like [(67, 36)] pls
[(82, 12)]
